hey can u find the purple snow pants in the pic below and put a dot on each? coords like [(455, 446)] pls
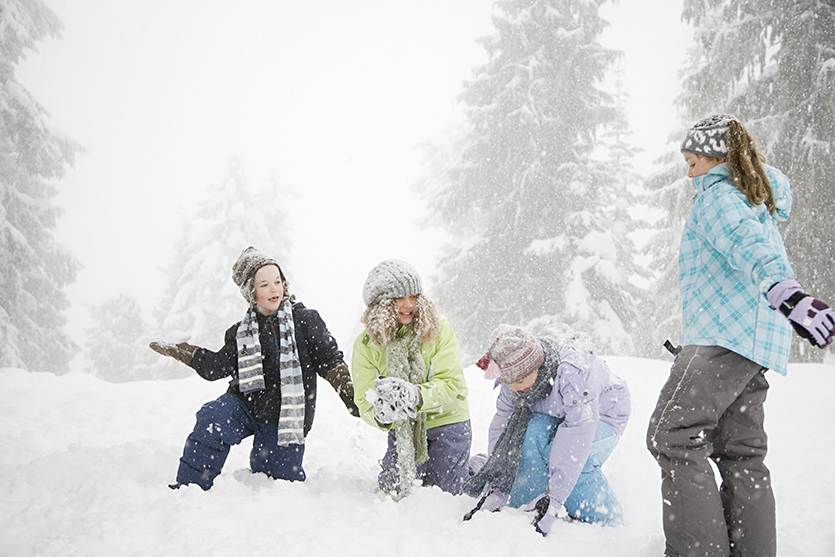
[(447, 467), (225, 422), (711, 409)]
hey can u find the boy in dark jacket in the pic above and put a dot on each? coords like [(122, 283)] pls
[(273, 356)]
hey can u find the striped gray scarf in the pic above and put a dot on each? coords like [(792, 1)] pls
[(251, 371)]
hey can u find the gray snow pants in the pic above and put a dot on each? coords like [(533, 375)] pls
[(711, 408)]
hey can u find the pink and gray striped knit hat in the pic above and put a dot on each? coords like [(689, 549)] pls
[(513, 355)]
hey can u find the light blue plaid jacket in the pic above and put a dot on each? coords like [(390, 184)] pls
[(731, 254)]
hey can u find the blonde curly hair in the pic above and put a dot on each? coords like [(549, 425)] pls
[(381, 320)]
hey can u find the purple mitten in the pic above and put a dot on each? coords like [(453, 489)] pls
[(782, 291), (492, 502), (810, 318), (495, 501), (546, 513), (816, 319), (545, 523)]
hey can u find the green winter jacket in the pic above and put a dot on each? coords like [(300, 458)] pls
[(444, 392)]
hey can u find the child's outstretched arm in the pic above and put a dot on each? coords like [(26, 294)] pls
[(209, 365)]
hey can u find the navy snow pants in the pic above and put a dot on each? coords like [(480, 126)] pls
[(449, 455), (225, 422)]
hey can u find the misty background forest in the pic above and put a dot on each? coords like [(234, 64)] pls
[(533, 205)]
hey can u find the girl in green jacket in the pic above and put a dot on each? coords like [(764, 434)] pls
[(409, 380)]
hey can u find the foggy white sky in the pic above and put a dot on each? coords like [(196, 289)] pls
[(331, 96)]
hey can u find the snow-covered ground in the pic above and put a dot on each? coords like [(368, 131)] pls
[(84, 468)]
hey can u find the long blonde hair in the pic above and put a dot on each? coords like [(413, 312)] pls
[(381, 320), (746, 164)]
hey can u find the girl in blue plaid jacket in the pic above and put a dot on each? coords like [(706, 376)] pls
[(739, 303)]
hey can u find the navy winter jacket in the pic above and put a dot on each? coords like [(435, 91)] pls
[(318, 354)]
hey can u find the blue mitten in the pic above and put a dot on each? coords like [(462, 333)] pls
[(546, 513), (810, 318)]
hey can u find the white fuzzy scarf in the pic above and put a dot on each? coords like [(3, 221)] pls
[(404, 361)]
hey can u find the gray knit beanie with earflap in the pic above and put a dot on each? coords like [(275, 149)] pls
[(391, 279)]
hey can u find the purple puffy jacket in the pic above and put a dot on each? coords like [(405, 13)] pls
[(585, 392)]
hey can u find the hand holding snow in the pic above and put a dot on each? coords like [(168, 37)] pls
[(393, 399)]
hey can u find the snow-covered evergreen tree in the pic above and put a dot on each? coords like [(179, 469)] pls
[(34, 266), (117, 344), (772, 64), (201, 301), (671, 194), (539, 224)]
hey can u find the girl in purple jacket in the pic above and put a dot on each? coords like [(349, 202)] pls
[(559, 414)]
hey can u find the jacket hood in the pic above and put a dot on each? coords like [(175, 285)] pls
[(779, 186)]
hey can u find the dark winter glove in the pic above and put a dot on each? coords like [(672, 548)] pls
[(181, 351), (810, 318), (340, 379), (545, 513), (491, 502), (394, 400)]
